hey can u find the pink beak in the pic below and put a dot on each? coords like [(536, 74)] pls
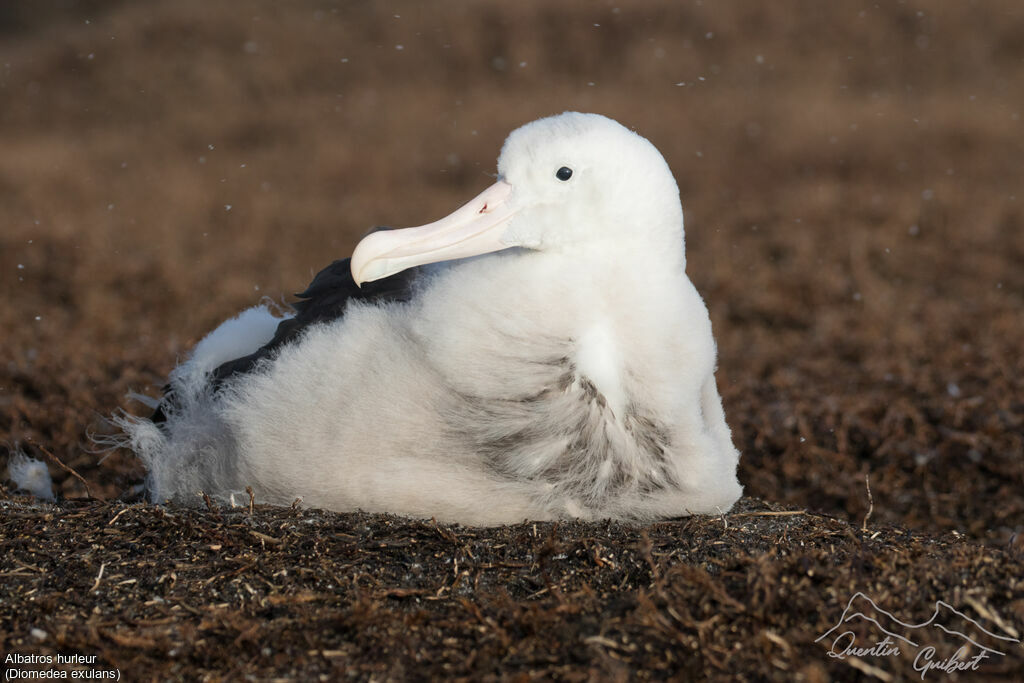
[(475, 228)]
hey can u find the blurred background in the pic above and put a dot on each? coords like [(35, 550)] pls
[(850, 172)]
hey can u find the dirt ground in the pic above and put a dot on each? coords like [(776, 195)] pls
[(852, 181)]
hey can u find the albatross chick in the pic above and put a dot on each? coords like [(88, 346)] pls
[(554, 362)]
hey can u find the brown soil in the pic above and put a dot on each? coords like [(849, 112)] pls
[(852, 181)]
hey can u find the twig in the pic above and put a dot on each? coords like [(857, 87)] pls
[(30, 567), (252, 498), (99, 576), (444, 533), (234, 572), (774, 637), (116, 517), (871, 503), (266, 539), (604, 642), (402, 592), (770, 513), (987, 613), (76, 475), (645, 547), (864, 667)]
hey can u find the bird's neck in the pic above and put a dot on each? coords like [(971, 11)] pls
[(503, 320)]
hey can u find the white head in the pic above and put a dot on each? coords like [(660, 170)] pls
[(566, 183)]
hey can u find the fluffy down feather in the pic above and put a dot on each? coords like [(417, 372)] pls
[(31, 475)]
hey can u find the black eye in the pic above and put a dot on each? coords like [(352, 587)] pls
[(564, 173)]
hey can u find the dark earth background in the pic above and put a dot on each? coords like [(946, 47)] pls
[(851, 175)]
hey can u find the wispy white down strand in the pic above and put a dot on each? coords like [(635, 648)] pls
[(31, 475)]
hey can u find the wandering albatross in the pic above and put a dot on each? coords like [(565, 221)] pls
[(554, 362)]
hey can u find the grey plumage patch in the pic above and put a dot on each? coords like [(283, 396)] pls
[(566, 437), (653, 439), (591, 394)]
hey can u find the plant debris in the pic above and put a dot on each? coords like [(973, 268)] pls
[(295, 594)]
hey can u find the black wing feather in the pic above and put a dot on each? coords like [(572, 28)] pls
[(325, 299)]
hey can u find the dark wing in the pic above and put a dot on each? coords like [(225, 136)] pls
[(325, 299)]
